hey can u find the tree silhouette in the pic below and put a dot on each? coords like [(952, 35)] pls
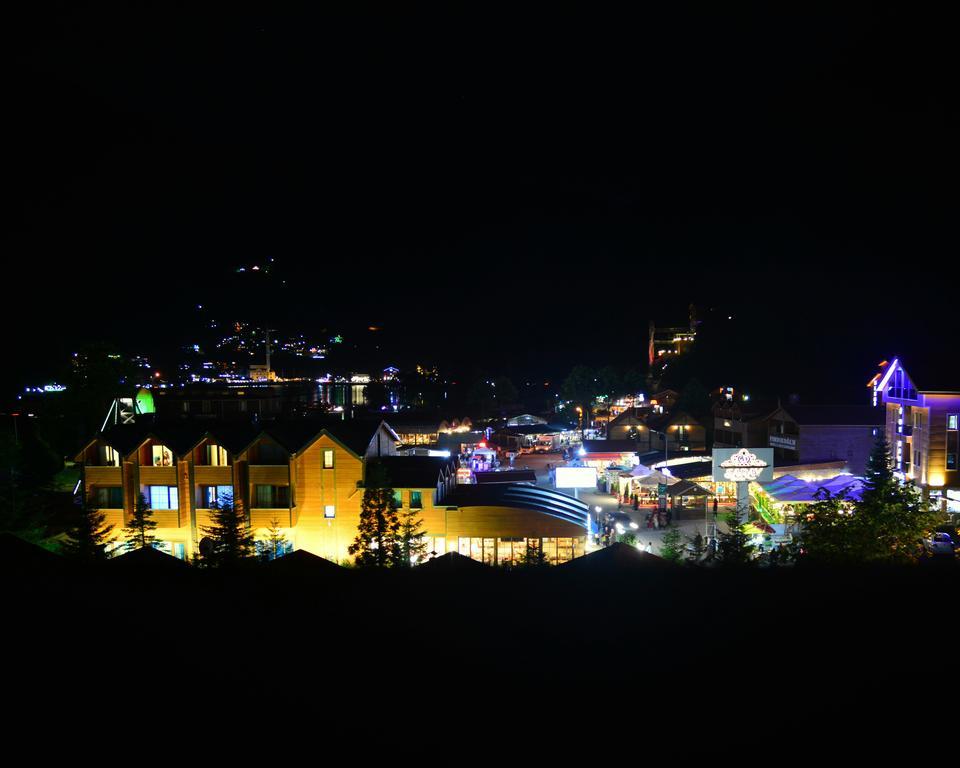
[(139, 532)]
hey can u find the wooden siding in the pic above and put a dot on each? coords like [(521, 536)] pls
[(204, 475), (262, 518), (269, 474), (316, 488), (158, 475), (103, 476)]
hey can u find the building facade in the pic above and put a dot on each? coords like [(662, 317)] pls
[(305, 479), (743, 425), (838, 432), (922, 427)]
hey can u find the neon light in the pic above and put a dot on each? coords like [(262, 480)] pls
[(889, 373)]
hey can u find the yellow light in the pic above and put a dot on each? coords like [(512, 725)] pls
[(936, 479)]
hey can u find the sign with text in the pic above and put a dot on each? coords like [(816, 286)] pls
[(740, 465)]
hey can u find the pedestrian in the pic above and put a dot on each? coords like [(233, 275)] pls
[(714, 505), (649, 548)]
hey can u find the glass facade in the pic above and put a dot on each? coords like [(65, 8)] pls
[(508, 551)]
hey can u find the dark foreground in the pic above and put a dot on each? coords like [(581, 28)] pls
[(613, 638)]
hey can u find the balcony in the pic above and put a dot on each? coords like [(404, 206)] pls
[(269, 474), (158, 475), (103, 475), (210, 475)]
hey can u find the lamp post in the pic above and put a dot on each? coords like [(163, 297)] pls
[(580, 421), (666, 458)]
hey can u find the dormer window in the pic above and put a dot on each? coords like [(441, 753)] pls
[(108, 456), (216, 455), (161, 456)]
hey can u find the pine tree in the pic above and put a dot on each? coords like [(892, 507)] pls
[(87, 540), (411, 539), (887, 524), (139, 533), (376, 543), (673, 544), (229, 539), (276, 543), (698, 548), (532, 556), (733, 547)]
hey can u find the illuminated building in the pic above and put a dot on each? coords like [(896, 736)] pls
[(307, 475), (844, 432), (922, 427), (647, 429), (665, 344), (746, 424)]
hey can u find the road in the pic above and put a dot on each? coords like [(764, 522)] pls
[(689, 520)]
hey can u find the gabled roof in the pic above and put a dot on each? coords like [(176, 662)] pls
[(660, 421), (416, 471), (929, 375), (293, 435), (616, 558), (631, 416)]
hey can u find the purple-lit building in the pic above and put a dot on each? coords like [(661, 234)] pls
[(923, 429), (844, 432)]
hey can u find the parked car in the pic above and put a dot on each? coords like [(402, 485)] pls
[(940, 544)]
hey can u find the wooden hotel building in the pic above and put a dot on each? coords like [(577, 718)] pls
[(307, 477)]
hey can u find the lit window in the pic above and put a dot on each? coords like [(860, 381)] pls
[(163, 497), (216, 456), (328, 459), (162, 456), (398, 499), (416, 502), (216, 495), (329, 511), (952, 420), (109, 457)]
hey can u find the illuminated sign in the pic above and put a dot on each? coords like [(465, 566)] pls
[(741, 465), (779, 441), (576, 477)]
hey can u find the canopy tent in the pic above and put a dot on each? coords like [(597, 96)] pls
[(687, 488), (646, 476), (791, 490)]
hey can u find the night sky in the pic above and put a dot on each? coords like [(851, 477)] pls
[(518, 193)]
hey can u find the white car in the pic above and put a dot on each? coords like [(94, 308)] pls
[(940, 544)]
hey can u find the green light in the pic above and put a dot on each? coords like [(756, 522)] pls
[(145, 402)]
